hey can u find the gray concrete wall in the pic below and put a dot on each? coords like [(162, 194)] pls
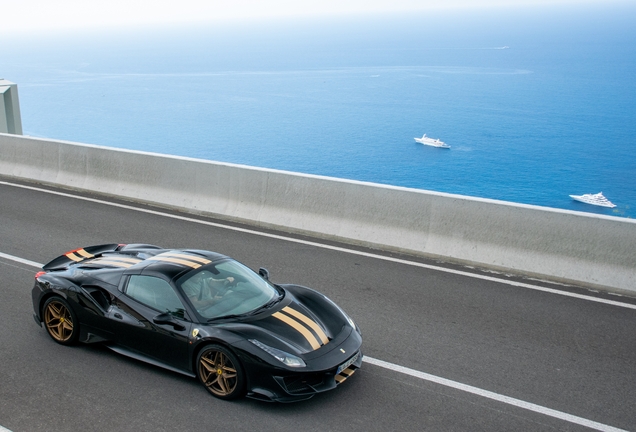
[(10, 119), (556, 244)]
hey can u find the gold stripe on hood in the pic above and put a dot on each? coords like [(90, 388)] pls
[(300, 328), (311, 323)]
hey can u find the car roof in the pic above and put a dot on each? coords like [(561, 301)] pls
[(174, 262), (113, 260)]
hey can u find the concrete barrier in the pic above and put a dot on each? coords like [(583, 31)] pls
[(561, 245)]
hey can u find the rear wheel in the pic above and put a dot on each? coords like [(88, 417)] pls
[(60, 321), (220, 372)]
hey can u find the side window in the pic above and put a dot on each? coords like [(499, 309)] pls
[(156, 293)]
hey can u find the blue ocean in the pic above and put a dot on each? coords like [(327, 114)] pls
[(536, 103)]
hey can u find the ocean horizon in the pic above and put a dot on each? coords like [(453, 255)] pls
[(536, 103)]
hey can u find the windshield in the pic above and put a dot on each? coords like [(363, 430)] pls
[(227, 288)]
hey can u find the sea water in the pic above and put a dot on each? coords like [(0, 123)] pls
[(536, 103)]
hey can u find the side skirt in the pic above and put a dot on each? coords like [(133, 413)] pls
[(143, 358)]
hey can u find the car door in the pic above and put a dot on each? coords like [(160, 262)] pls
[(144, 299)]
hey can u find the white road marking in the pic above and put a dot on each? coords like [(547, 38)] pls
[(442, 381), (334, 248), (20, 260), (494, 396)]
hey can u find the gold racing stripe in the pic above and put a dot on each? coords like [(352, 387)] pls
[(300, 328), (121, 258), (105, 261), (344, 375), (311, 323), (73, 257), (117, 261), (176, 261), (83, 253), (188, 256), (78, 255)]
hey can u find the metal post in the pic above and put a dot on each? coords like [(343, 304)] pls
[(10, 120)]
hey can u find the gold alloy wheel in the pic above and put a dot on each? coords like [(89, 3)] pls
[(58, 321), (218, 373)]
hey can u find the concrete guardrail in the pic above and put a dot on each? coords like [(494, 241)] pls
[(566, 246)]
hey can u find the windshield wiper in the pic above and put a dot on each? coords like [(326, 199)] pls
[(228, 317), (267, 305)]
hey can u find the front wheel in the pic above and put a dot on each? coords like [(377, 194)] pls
[(60, 321), (220, 372)]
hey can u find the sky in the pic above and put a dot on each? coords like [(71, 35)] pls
[(34, 16)]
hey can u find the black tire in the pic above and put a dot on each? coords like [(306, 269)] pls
[(220, 372), (60, 321)]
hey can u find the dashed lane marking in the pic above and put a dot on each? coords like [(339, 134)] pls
[(494, 396), (438, 380)]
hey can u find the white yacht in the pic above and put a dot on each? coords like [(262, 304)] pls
[(432, 142), (594, 199)]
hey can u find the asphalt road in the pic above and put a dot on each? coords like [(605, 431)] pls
[(573, 358)]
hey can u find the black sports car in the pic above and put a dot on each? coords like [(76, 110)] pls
[(202, 314)]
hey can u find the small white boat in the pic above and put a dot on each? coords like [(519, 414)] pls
[(594, 199), (432, 142)]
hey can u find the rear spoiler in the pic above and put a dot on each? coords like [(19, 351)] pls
[(63, 261)]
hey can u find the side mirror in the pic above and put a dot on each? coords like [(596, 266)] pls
[(263, 273), (167, 319)]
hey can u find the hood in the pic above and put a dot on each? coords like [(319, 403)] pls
[(294, 326)]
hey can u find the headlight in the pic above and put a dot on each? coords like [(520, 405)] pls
[(285, 358), (351, 322)]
